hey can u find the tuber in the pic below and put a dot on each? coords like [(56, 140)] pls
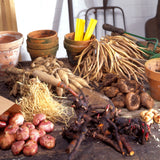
[(132, 101), (2, 124), (6, 140), (11, 129), (38, 118), (126, 86), (18, 119), (146, 100), (30, 125), (17, 147), (22, 133), (34, 135), (47, 141), (41, 132), (30, 148), (119, 100), (110, 91), (46, 125)]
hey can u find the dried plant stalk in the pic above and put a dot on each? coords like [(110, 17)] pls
[(113, 54)]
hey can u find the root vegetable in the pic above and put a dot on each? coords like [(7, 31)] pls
[(30, 148), (47, 126), (59, 90), (11, 129), (17, 147), (6, 140), (146, 100), (2, 124), (30, 125), (4, 116), (119, 101), (18, 119), (22, 133), (47, 141), (41, 132), (63, 76), (34, 135), (132, 101), (157, 118), (126, 86), (38, 118), (110, 91)]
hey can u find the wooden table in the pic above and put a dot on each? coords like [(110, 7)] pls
[(90, 149)]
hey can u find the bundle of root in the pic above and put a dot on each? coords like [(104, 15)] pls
[(125, 93), (36, 98), (113, 54), (52, 67)]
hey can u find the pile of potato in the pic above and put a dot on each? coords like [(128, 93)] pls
[(21, 136), (125, 93)]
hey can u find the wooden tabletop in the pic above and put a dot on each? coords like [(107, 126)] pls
[(90, 149)]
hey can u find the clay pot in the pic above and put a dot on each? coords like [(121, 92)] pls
[(10, 43), (152, 71), (42, 43), (74, 48)]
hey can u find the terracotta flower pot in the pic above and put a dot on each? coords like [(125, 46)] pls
[(10, 43), (152, 71), (74, 48), (42, 43)]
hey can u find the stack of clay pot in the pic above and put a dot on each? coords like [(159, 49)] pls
[(42, 43)]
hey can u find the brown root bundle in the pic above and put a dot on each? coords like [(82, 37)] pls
[(113, 54), (38, 99)]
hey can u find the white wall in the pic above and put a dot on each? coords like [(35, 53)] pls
[(53, 14)]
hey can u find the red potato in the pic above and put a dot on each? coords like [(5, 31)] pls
[(47, 141), (4, 116), (3, 124), (41, 132), (38, 118), (30, 148), (11, 129), (18, 119), (29, 125), (47, 126), (17, 147), (22, 133), (34, 135), (6, 140)]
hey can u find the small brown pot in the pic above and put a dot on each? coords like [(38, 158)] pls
[(152, 71), (42, 43), (74, 48), (34, 53)]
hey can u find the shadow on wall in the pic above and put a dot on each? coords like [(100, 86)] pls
[(57, 15)]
